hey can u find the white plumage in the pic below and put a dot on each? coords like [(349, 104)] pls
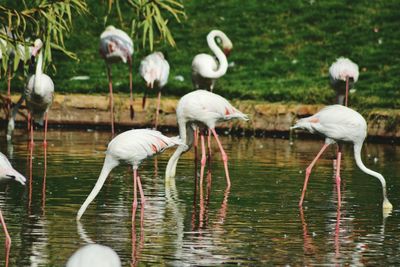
[(155, 71), (204, 109), (94, 255), (7, 172), (116, 46), (205, 68), (340, 124), (343, 73), (132, 147)]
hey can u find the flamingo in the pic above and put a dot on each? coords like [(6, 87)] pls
[(116, 46), (343, 73), (155, 70), (7, 172), (94, 255), (39, 93), (205, 68), (203, 109), (133, 147), (340, 124)]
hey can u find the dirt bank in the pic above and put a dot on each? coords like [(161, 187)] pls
[(93, 111)]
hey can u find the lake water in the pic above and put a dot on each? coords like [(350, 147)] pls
[(257, 222)]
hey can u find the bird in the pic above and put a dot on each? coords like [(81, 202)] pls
[(155, 71), (94, 255), (205, 68), (39, 93), (343, 74), (7, 172), (203, 109), (133, 147), (116, 46), (340, 124)]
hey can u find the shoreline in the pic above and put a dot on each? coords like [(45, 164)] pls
[(82, 111)]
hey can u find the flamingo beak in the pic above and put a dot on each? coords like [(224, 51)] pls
[(227, 51)]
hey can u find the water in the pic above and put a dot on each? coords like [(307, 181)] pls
[(257, 222)]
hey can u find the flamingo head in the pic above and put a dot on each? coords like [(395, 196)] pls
[(227, 51), (37, 46)]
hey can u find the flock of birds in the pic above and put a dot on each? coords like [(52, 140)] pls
[(197, 114)]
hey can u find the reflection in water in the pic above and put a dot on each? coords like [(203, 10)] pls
[(255, 223)]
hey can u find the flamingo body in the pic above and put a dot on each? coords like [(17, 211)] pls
[(204, 109), (94, 255), (340, 124), (115, 45), (132, 147), (343, 74), (205, 68)]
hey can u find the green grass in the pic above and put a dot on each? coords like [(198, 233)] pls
[(282, 50)]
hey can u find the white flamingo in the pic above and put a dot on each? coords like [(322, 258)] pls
[(7, 172), (203, 109), (340, 124), (155, 71), (94, 255), (133, 147), (343, 73), (116, 46), (205, 68), (39, 93)]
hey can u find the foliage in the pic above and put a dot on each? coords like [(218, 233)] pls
[(48, 20), (146, 18)]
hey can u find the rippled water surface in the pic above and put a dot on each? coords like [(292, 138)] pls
[(257, 222)]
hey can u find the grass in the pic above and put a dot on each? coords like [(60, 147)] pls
[(282, 50)]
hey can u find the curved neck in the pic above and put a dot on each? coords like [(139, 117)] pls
[(223, 62), (109, 164), (360, 164)]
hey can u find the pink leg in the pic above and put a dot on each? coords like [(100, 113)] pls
[(111, 99), (134, 205), (141, 191), (31, 142), (8, 238), (224, 158), (45, 130), (308, 172), (29, 121), (203, 159), (209, 145), (339, 157), (347, 91), (131, 90), (196, 142), (158, 108)]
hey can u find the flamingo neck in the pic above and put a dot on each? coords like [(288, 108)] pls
[(360, 164), (223, 62), (39, 65), (109, 164)]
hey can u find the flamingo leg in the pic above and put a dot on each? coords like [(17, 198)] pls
[(308, 172), (347, 91), (8, 238), (144, 99), (141, 191), (158, 108), (209, 145), (203, 159), (29, 120), (45, 130), (339, 157), (196, 142), (111, 99), (132, 111), (134, 205), (31, 141), (224, 157)]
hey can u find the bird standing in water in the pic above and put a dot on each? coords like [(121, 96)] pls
[(133, 147), (340, 124), (7, 172), (116, 46), (203, 109), (155, 71)]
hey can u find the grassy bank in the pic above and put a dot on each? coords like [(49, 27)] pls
[(282, 50)]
